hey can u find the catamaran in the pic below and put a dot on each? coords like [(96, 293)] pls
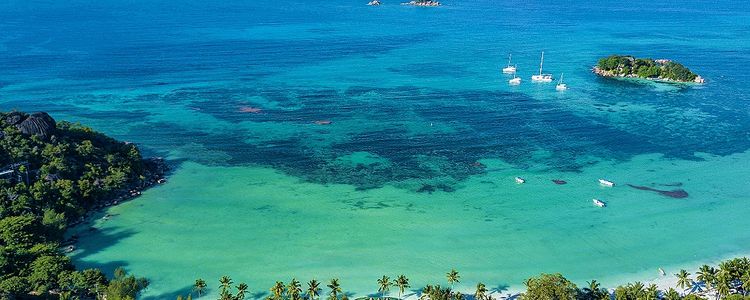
[(560, 85), (515, 80), (510, 69), (541, 77), (599, 203), (605, 182)]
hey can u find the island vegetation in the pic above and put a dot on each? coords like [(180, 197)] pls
[(729, 281), (653, 69), (52, 175)]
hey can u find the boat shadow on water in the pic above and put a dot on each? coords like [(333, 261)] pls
[(677, 193)]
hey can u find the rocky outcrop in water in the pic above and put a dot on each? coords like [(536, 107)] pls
[(39, 123)]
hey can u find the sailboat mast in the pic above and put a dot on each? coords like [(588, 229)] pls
[(509, 57), (541, 63)]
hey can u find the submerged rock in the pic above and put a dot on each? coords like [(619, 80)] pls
[(40, 124)]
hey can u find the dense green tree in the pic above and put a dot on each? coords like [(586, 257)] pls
[(125, 287), (549, 286), (707, 275), (594, 291), (62, 174), (671, 294), (723, 283)]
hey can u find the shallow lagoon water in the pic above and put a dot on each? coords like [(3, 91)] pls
[(416, 99)]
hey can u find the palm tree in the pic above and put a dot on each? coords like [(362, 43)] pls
[(241, 290), (226, 284), (723, 281), (426, 292), (671, 294), (294, 289), (335, 288), (683, 280), (458, 296), (594, 291), (199, 286), (453, 277), (402, 282), (707, 274), (652, 292), (384, 284), (278, 290), (313, 289), (745, 279), (481, 292)]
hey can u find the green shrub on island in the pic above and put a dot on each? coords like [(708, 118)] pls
[(629, 66), (51, 175)]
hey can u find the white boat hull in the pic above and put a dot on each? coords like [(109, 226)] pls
[(561, 87), (599, 203), (606, 183), (509, 70), (541, 78), (520, 180), (515, 81)]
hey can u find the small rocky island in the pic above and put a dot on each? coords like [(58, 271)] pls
[(663, 70), (422, 3)]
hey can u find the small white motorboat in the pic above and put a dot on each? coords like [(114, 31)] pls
[(607, 183), (520, 180), (515, 81), (599, 203), (541, 77), (510, 69), (560, 85)]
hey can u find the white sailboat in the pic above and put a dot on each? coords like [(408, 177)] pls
[(541, 77), (515, 80), (510, 69), (607, 183), (520, 180), (560, 85), (599, 203)]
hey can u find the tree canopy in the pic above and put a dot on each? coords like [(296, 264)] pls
[(53, 174), (625, 65)]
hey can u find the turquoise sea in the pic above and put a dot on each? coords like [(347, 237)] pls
[(415, 172)]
